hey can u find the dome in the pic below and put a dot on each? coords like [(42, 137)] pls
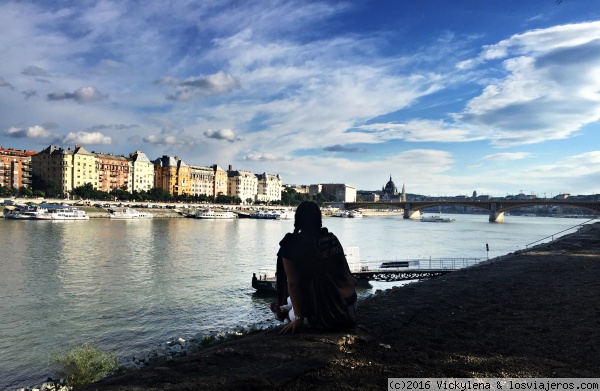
[(390, 187)]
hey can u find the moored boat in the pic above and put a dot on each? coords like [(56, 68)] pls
[(62, 212), (354, 214), (23, 212), (128, 214), (214, 214)]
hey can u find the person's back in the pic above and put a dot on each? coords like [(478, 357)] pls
[(320, 283)]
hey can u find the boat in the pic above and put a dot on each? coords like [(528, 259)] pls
[(128, 214), (266, 282), (436, 219), (215, 215), (285, 214), (23, 212), (340, 214), (260, 214), (62, 212), (354, 214)]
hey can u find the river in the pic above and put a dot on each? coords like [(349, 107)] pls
[(130, 285)]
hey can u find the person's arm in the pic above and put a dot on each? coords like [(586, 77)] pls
[(294, 289)]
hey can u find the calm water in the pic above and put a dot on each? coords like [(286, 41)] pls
[(130, 285)]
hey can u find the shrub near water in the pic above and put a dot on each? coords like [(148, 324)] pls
[(84, 364)]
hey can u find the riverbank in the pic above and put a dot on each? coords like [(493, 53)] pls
[(533, 313)]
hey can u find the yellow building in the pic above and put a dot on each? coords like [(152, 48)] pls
[(85, 168), (54, 166), (173, 175), (219, 181)]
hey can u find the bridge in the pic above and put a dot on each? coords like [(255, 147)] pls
[(496, 208)]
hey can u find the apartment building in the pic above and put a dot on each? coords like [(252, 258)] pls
[(242, 184), (141, 174), (113, 172), (220, 181), (269, 187), (84, 168), (15, 168), (334, 191), (173, 175), (54, 165), (202, 179)]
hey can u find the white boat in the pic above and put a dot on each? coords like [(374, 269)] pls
[(128, 214), (436, 219), (63, 213), (340, 214), (24, 212), (354, 214), (285, 215), (212, 214)]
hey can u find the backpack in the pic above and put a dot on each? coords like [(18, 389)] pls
[(327, 309)]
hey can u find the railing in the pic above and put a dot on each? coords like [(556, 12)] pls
[(564, 230), (415, 264)]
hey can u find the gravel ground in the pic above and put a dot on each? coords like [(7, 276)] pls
[(534, 313)]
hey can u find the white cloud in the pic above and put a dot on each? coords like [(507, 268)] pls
[(222, 134), (31, 132), (195, 87), (550, 88), (508, 156), (95, 138)]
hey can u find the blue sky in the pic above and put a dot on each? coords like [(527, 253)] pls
[(447, 97)]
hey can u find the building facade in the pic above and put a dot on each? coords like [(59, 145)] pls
[(202, 179), (334, 191), (269, 187), (113, 172), (220, 181), (54, 167), (15, 168), (173, 175), (242, 184), (141, 175)]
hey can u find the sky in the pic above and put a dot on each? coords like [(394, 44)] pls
[(446, 97)]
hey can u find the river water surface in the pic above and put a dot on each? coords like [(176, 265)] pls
[(131, 285)]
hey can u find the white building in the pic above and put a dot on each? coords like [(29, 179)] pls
[(269, 187), (142, 173), (242, 184)]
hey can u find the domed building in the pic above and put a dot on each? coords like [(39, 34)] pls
[(390, 192), (390, 189)]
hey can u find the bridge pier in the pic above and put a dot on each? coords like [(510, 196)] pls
[(408, 214), (495, 216)]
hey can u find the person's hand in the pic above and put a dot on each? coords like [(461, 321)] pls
[(292, 327)]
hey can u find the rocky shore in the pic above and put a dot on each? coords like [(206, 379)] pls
[(533, 313)]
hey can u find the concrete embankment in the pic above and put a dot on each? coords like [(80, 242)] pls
[(534, 313)]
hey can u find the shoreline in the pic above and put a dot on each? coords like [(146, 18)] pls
[(531, 313)]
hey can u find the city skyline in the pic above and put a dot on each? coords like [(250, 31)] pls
[(448, 98)]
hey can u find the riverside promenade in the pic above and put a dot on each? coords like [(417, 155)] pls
[(533, 313)]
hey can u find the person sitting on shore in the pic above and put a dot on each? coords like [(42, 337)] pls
[(321, 287)]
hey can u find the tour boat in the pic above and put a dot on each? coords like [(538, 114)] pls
[(128, 214), (23, 212), (437, 219), (63, 213), (212, 214)]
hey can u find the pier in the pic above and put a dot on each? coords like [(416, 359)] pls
[(396, 270)]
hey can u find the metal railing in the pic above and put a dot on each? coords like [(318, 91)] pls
[(557, 233)]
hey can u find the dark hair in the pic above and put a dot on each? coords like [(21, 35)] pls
[(308, 217)]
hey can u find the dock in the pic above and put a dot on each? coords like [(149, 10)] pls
[(396, 270)]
